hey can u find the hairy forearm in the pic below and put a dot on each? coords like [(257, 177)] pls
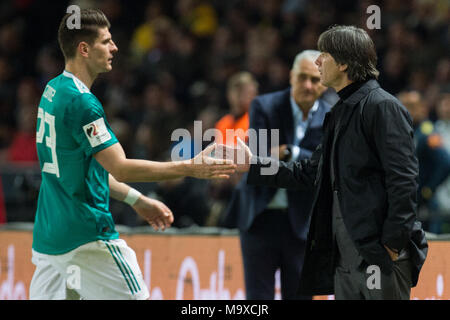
[(133, 170), (114, 161)]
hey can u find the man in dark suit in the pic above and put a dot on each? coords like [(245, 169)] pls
[(273, 222), (434, 160), (364, 240)]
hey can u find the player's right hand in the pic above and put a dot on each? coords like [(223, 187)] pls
[(204, 166)]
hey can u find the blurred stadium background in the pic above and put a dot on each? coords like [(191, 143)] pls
[(174, 60), (172, 68)]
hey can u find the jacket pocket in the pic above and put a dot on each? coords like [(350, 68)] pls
[(375, 254)]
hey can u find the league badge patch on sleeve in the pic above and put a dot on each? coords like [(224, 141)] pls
[(96, 132)]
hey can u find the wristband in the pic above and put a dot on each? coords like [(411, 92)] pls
[(132, 196)]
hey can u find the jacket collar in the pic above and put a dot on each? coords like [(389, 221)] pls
[(350, 103), (356, 97)]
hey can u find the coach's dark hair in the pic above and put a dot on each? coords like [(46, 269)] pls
[(90, 21), (351, 46)]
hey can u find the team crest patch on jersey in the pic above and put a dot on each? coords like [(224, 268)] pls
[(96, 132)]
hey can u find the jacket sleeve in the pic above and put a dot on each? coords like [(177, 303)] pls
[(299, 175), (391, 129)]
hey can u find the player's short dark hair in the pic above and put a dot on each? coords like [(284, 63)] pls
[(90, 21), (351, 46)]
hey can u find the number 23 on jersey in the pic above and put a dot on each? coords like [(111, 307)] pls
[(50, 140)]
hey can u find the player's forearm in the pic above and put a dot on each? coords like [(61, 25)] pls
[(134, 170), (123, 192), (117, 190)]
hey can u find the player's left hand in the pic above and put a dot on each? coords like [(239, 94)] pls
[(156, 213)]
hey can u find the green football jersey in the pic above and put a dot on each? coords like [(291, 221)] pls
[(73, 204)]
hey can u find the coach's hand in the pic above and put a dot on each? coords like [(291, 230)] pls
[(156, 213), (240, 155), (392, 253), (203, 166)]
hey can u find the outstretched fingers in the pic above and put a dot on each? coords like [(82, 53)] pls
[(219, 176), (225, 152), (217, 161), (208, 150)]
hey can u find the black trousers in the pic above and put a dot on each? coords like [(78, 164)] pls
[(354, 279), (268, 245), (359, 284)]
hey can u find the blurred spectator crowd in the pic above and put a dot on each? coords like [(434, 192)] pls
[(174, 62)]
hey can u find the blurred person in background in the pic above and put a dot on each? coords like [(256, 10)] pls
[(155, 123), (278, 75), (442, 193), (198, 16), (434, 159), (273, 222), (22, 146), (7, 101), (242, 88), (262, 44), (48, 65)]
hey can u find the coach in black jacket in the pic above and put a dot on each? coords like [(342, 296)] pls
[(364, 179), (273, 223)]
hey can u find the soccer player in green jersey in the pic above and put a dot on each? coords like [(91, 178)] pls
[(76, 249)]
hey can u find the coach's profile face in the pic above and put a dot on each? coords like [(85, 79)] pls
[(305, 83), (101, 52), (330, 71)]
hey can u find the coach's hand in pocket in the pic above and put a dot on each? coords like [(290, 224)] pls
[(392, 253)]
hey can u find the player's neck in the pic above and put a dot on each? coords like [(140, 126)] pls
[(81, 71)]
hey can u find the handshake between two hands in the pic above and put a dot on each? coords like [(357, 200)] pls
[(219, 161)]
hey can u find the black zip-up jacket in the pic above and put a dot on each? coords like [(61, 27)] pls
[(376, 181)]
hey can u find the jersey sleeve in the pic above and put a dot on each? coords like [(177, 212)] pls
[(89, 126)]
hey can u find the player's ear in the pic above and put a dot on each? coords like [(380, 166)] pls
[(83, 49)]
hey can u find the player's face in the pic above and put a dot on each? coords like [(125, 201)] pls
[(305, 83), (330, 73), (102, 52)]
